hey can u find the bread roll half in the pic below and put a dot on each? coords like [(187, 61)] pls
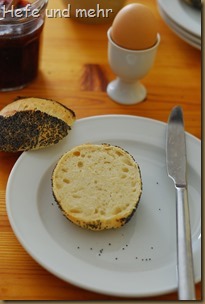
[(97, 186), (33, 123)]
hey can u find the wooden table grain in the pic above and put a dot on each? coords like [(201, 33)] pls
[(74, 70)]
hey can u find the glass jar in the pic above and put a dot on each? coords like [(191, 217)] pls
[(20, 40), (94, 11)]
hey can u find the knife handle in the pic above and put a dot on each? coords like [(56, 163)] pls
[(186, 285)]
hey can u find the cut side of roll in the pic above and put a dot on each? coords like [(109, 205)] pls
[(97, 187), (33, 123)]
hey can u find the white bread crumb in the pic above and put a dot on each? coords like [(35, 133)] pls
[(97, 186)]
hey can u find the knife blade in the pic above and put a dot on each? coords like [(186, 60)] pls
[(176, 160)]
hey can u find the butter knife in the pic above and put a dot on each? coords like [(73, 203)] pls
[(176, 168)]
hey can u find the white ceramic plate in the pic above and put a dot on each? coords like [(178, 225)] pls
[(184, 35), (138, 259), (183, 15)]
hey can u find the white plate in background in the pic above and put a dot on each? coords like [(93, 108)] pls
[(183, 15), (183, 34)]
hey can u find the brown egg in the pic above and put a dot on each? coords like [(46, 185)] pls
[(134, 27)]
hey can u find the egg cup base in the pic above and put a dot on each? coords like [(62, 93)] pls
[(127, 93)]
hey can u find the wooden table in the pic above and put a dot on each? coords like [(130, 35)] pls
[(74, 70)]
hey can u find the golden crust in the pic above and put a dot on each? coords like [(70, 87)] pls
[(33, 123)]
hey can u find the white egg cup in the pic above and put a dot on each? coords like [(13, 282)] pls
[(130, 66)]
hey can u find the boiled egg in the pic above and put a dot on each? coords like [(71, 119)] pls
[(134, 27)]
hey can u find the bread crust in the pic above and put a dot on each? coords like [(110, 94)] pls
[(33, 123), (88, 179)]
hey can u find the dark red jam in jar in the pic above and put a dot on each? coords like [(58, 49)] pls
[(20, 39)]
